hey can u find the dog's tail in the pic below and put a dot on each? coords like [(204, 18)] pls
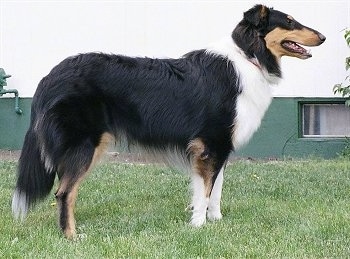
[(35, 179)]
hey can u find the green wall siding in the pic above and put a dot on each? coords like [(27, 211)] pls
[(13, 126), (277, 137)]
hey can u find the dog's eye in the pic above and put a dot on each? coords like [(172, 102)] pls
[(290, 21)]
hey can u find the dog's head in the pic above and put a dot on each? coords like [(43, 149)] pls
[(282, 34)]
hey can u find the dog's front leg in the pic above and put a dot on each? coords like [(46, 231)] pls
[(214, 210), (207, 179), (200, 200)]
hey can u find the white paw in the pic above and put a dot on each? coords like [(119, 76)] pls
[(81, 236), (214, 214), (197, 221)]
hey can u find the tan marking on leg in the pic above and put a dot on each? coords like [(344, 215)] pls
[(205, 170), (68, 196), (202, 164), (106, 139), (71, 189)]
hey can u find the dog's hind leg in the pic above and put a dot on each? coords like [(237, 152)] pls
[(76, 164), (66, 197), (207, 167)]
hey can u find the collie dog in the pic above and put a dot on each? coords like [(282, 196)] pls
[(197, 108)]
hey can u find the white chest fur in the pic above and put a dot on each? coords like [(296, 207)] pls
[(255, 96), (251, 106)]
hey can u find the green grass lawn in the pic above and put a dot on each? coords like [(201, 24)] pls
[(284, 209)]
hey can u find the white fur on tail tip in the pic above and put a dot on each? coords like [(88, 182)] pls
[(19, 205)]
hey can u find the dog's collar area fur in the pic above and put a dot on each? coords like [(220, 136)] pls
[(228, 48), (255, 62)]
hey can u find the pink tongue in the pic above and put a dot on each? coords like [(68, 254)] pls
[(295, 47)]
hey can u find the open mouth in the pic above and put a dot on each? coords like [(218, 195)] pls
[(293, 47)]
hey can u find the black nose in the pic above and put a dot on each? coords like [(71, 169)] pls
[(322, 37)]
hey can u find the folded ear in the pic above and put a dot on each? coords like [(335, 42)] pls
[(257, 15)]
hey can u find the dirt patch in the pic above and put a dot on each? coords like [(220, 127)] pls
[(117, 157), (9, 155), (13, 155)]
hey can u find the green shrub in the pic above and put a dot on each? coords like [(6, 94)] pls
[(346, 151), (344, 88)]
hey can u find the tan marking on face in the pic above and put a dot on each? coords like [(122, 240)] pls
[(290, 17), (304, 37)]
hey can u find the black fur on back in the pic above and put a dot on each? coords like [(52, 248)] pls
[(154, 102)]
